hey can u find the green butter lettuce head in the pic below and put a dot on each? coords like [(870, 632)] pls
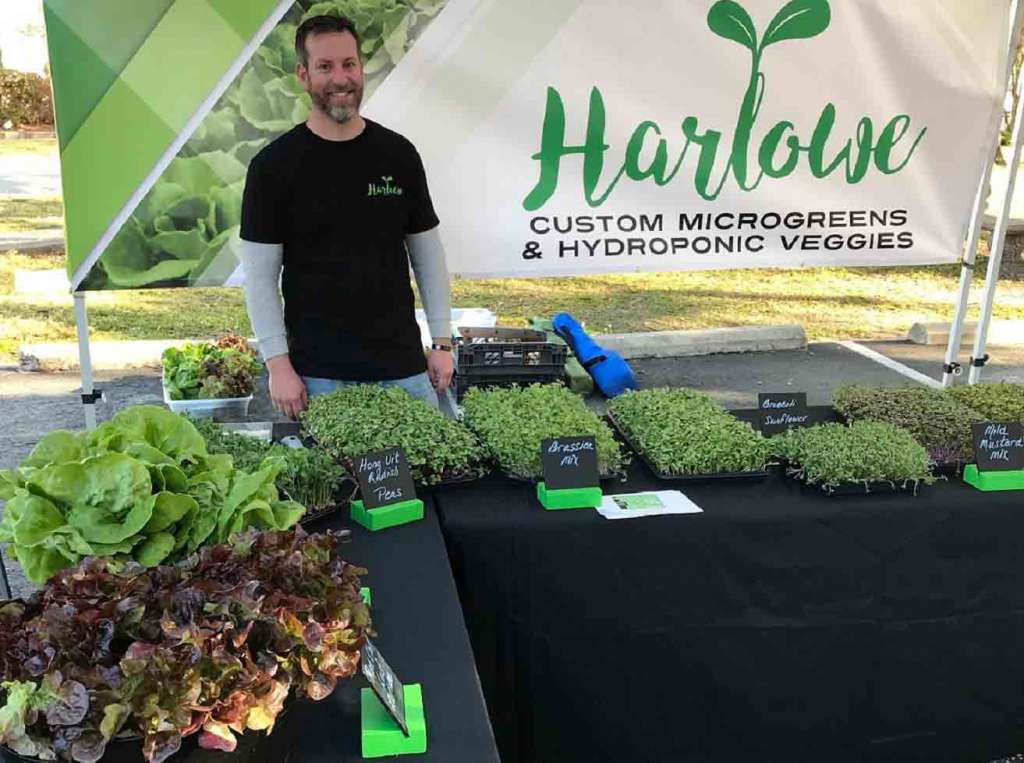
[(100, 526), (169, 508), (166, 431), (36, 519), (10, 481), (57, 447), (155, 549), (41, 562), (141, 486), (114, 482)]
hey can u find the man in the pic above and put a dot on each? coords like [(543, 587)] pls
[(341, 204)]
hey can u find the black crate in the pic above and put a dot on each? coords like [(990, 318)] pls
[(509, 350)]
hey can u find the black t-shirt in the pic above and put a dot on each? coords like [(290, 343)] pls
[(342, 210)]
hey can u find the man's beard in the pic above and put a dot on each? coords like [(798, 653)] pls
[(340, 113)]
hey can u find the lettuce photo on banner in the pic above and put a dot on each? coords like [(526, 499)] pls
[(182, 232)]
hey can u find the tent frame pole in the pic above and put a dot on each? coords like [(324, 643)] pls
[(90, 395), (950, 367), (995, 258)]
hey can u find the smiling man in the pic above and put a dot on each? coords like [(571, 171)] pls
[(336, 209)]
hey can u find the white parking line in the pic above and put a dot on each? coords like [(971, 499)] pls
[(889, 363)]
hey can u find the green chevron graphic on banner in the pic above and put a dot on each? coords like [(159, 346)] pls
[(181, 232), (157, 84), (90, 44)]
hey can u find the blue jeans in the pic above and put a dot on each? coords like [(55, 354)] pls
[(418, 386)]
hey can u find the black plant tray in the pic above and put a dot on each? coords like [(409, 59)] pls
[(619, 475), (860, 488), (118, 751), (949, 469), (792, 472), (311, 517), (751, 476), (123, 750), (342, 499), (310, 442), (462, 480), (465, 382)]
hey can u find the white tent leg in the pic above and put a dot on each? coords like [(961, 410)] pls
[(89, 395), (951, 368), (995, 257)]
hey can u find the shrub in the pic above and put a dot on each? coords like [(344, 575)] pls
[(25, 98)]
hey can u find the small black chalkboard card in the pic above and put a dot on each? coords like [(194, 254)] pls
[(384, 478), (999, 446), (778, 412), (385, 684), (569, 463)]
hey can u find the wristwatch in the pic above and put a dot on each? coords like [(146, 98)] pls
[(439, 346)]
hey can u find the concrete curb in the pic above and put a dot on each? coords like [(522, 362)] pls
[(118, 355), (1000, 332), (30, 243), (106, 355), (1013, 227), (51, 282), (681, 344), (27, 135)]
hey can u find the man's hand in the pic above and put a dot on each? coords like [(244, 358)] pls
[(440, 368), (287, 391)]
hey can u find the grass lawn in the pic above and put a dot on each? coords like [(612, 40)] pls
[(22, 215), (856, 303), (28, 146)]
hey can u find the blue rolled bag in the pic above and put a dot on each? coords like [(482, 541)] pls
[(611, 373)]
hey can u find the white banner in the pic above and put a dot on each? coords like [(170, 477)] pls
[(586, 136)]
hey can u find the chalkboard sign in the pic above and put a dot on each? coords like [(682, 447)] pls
[(385, 684), (569, 463), (384, 478), (999, 446), (778, 412)]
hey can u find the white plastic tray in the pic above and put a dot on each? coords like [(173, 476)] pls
[(229, 406)]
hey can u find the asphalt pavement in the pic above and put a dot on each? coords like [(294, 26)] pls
[(30, 175)]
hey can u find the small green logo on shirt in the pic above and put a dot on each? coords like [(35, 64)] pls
[(385, 188)]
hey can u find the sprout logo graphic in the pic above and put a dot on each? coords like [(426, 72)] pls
[(778, 154), (386, 188)]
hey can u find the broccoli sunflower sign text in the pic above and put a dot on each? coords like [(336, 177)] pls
[(781, 134)]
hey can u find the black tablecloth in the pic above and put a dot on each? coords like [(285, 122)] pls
[(422, 636), (779, 625)]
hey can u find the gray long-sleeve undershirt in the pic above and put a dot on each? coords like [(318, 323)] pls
[(262, 266)]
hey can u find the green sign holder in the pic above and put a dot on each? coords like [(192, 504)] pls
[(381, 736), (994, 481), (574, 498), (387, 516)]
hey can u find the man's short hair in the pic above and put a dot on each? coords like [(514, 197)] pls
[(322, 25)]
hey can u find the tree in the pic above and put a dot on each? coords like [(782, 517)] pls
[(1012, 102)]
